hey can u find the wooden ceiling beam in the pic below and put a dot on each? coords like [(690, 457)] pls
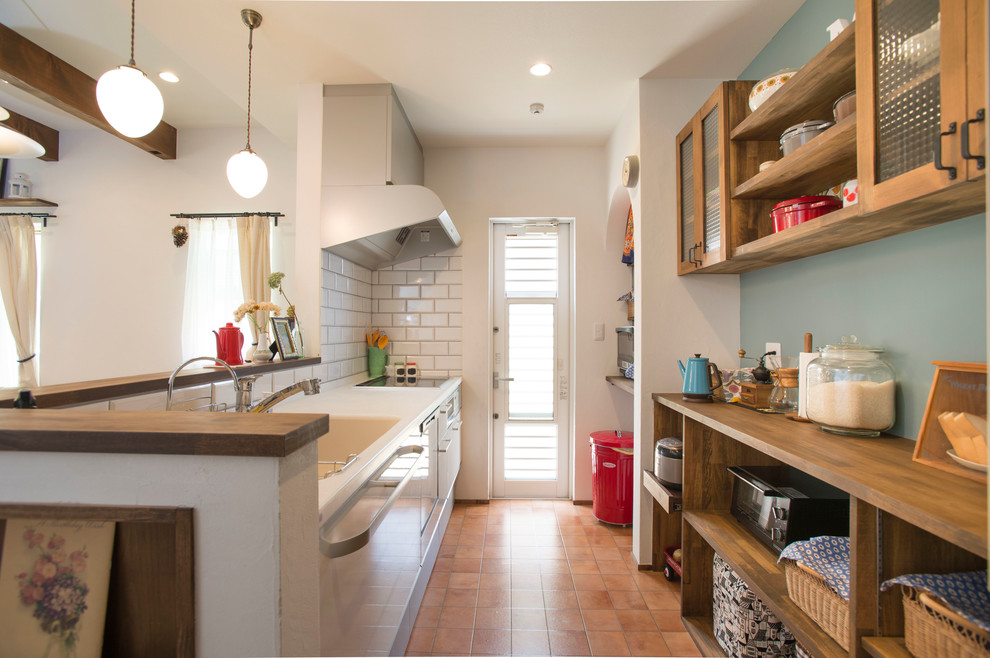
[(29, 67), (39, 132)]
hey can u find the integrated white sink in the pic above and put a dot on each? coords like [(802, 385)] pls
[(350, 435)]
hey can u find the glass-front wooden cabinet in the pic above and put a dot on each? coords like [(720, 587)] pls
[(703, 183), (921, 67)]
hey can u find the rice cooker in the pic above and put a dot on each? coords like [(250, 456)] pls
[(669, 461)]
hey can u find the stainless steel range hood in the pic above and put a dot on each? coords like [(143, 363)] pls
[(381, 225)]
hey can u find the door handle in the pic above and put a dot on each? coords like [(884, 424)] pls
[(697, 261), (496, 379), (691, 254), (938, 152), (981, 161)]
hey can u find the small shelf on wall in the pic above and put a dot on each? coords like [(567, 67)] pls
[(669, 500), (27, 203), (621, 383)]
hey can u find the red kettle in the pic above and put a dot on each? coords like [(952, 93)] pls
[(230, 342)]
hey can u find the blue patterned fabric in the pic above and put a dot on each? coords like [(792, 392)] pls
[(827, 556), (630, 372), (964, 593)]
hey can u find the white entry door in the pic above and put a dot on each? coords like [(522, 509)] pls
[(530, 388)]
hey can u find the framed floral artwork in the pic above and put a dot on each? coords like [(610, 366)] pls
[(283, 338), (54, 577)]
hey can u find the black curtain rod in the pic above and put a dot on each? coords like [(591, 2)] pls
[(214, 215), (43, 216)]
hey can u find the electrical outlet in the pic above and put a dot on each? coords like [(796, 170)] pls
[(774, 361), (599, 331)]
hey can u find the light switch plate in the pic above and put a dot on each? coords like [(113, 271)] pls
[(599, 331)]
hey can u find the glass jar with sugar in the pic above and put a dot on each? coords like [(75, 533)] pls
[(851, 389)]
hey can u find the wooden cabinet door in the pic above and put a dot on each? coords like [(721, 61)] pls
[(702, 187), (911, 98), (975, 136)]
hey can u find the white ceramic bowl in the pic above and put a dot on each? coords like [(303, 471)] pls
[(973, 466), (767, 87)]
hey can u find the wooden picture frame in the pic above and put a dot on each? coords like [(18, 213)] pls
[(283, 339), (955, 387)]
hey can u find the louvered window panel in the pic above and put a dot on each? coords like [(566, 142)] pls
[(713, 225), (687, 196), (908, 85), (531, 265), (531, 451), (531, 361)]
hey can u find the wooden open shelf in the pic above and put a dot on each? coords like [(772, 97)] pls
[(757, 565), (702, 632), (826, 160), (886, 647), (809, 94), (25, 203), (150, 609), (621, 383), (669, 500)]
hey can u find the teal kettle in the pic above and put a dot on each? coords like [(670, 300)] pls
[(699, 379)]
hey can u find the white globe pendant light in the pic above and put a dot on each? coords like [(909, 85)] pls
[(14, 144), (128, 99), (246, 171)]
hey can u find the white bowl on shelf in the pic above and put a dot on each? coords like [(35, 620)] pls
[(768, 86)]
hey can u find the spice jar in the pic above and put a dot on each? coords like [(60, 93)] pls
[(851, 389)]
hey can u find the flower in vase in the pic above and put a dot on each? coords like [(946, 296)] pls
[(249, 308), (275, 281)]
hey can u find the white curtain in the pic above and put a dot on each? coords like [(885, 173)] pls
[(213, 285), (19, 290), (256, 264)]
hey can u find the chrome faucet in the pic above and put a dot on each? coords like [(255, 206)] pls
[(306, 386), (242, 385)]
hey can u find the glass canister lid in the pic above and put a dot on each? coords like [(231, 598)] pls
[(671, 443), (816, 125), (850, 348)]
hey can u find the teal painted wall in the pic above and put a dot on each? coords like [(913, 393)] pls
[(921, 295)]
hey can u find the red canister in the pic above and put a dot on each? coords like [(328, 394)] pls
[(799, 210), (612, 476)]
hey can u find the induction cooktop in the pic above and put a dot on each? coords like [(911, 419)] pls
[(389, 382)]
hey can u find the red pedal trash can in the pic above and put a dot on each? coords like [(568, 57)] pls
[(612, 476)]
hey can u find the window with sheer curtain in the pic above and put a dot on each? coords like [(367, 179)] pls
[(213, 284), (8, 351)]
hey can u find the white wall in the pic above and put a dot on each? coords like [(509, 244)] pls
[(112, 282), (482, 183), (676, 316)]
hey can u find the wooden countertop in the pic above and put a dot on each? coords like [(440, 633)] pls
[(61, 395), (158, 432), (879, 471)]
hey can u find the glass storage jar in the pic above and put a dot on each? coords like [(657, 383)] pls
[(851, 389)]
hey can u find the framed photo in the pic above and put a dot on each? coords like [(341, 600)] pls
[(958, 389), (283, 338)]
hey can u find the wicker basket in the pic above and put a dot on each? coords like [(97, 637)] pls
[(829, 610), (931, 629)]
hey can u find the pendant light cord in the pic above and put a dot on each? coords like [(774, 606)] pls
[(250, 49), (132, 33)]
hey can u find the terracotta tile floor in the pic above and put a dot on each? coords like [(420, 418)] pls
[(544, 578)]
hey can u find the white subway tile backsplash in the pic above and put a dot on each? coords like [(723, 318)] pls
[(379, 320), (408, 265), (434, 319), (454, 319), (448, 362), (434, 348), (420, 277), (424, 362), (381, 291), (391, 305), (448, 333), (406, 292), (456, 347), (419, 305), (419, 333), (449, 277), (447, 305), (456, 292), (405, 319), (406, 348), (436, 292), (456, 263), (391, 277), (434, 262)]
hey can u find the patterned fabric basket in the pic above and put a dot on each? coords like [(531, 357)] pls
[(931, 629), (819, 601), (744, 626)]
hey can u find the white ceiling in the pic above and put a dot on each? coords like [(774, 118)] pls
[(460, 68)]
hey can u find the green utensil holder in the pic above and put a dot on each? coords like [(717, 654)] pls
[(377, 360)]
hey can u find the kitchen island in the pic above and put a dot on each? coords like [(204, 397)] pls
[(249, 480)]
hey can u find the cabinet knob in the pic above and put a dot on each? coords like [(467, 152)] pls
[(776, 534), (779, 513), (981, 160)]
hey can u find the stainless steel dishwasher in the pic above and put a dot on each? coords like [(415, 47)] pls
[(372, 556)]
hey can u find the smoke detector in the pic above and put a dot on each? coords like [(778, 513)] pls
[(536, 108)]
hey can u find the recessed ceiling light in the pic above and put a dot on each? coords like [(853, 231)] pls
[(540, 69), (168, 76)]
